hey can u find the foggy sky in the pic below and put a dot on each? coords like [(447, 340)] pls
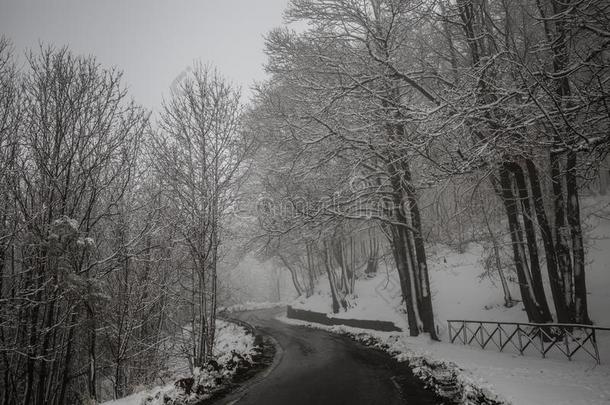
[(152, 41)]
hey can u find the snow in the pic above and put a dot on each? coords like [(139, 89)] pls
[(459, 292), (133, 399), (513, 378), (231, 340), (250, 306), (375, 298), (454, 282)]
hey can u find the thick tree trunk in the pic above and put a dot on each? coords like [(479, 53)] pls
[(412, 243), (532, 244), (564, 260), (555, 278), (401, 260), (426, 310), (527, 293), (581, 314), (573, 268)]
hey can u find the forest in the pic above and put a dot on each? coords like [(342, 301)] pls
[(384, 127)]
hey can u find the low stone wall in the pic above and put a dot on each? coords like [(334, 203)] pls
[(318, 317)]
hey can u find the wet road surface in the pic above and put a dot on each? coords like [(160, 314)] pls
[(317, 367)]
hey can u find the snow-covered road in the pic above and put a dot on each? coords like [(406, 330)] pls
[(317, 367)]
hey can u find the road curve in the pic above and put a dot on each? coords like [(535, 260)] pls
[(317, 367)]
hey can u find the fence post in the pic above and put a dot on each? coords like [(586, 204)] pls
[(541, 342), (450, 334), (464, 331), (594, 340), (567, 343), (500, 334), (520, 341)]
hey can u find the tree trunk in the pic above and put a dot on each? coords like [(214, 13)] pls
[(532, 244), (555, 278), (293, 276), (527, 294), (561, 244), (581, 313), (331, 281), (508, 299), (400, 258), (426, 310)]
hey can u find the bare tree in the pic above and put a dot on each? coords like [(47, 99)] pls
[(78, 140), (199, 154)]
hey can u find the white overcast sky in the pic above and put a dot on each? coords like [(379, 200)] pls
[(152, 41)]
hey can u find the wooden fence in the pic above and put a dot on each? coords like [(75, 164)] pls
[(567, 339)]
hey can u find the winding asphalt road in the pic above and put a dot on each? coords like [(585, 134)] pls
[(317, 367)]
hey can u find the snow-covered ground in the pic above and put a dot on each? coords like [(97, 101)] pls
[(250, 306), (375, 298), (459, 292), (231, 340), (507, 377)]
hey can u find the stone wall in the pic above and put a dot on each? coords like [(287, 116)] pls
[(318, 317)]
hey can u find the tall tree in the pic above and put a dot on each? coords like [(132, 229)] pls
[(200, 155)]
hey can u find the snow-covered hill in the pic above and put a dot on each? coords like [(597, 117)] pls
[(459, 292)]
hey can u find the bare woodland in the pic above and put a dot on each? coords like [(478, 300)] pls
[(385, 125), (110, 229)]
